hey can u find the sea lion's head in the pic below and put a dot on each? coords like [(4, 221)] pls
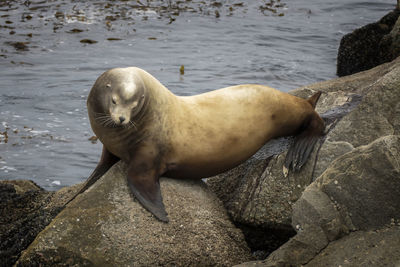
[(116, 98)]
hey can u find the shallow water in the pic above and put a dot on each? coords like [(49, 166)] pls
[(46, 71)]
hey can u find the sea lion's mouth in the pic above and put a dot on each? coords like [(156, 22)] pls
[(126, 125), (107, 121)]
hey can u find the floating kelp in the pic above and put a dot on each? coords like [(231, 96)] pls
[(88, 41), (112, 15), (21, 63), (21, 46), (75, 30), (93, 139), (272, 7)]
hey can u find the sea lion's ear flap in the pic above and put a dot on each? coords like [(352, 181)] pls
[(304, 142), (314, 99), (146, 188)]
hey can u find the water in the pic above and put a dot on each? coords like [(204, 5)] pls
[(46, 72)]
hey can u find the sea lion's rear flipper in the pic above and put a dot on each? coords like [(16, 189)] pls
[(145, 187), (312, 129), (300, 150), (314, 99)]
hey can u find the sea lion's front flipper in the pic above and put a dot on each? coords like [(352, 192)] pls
[(107, 160), (145, 186)]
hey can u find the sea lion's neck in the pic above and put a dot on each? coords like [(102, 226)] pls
[(161, 101), (159, 94)]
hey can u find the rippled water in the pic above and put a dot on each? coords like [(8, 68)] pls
[(46, 71)]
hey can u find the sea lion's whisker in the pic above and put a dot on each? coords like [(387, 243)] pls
[(131, 124), (105, 120), (102, 120), (108, 122), (111, 123), (103, 116)]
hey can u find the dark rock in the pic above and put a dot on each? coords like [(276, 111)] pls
[(25, 210), (264, 241), (369, 46), (105, 226), (56, 257)]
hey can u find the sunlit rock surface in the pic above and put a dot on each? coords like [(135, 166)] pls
[(105, 226)]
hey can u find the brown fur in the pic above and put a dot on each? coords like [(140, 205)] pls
[(196, 136)]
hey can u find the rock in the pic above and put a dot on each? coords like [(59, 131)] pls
[(370, 46), (365, 184), (359, 192), (358, 109), (21, 186), (105, 226), (362, 248), (25, 210)]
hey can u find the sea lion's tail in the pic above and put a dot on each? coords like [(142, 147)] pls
[(311, 130)]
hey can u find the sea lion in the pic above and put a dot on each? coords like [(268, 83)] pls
[(157, 133)]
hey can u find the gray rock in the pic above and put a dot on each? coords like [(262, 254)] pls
[(364, 185), (105, 226), (362, 248), (360, 191), (364, 107), (369, 46)]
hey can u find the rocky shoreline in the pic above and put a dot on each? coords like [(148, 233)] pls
[(342, 208)]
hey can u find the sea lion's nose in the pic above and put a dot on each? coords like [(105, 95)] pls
[(121, 119)]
